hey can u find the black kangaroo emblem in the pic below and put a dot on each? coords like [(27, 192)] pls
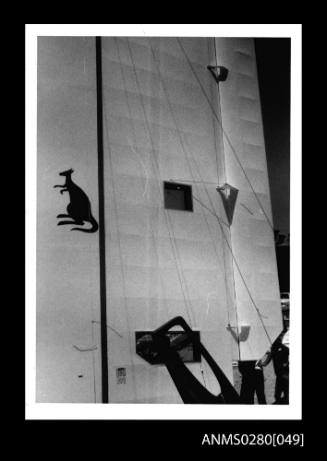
[(79, 208)]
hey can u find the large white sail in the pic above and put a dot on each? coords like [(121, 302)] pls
[(169, 250)]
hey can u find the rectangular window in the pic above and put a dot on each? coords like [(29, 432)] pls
[(178, 196), (188, 350)]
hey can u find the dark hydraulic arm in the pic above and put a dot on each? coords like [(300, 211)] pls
[(188, 386)]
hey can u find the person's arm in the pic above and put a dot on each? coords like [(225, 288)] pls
[(265, 360)]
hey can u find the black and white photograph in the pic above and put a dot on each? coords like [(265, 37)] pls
[(159, 213)]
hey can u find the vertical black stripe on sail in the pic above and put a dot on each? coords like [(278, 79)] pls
[(102, 243)]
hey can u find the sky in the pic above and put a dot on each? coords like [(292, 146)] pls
[(273, 62)]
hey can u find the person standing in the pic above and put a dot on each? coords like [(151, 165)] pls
[(252, 382), (279, 355)]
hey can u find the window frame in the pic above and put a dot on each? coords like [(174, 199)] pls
[(188, 195)]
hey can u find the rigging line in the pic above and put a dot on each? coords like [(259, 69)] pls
[(186, 156), (108, 326), (135, 151), (235, 303), (243, 279), (233, 256), (247, 209), (138, 154), (221, 137), (172, 238), (191, 172), (210, 211), (119, 243), (244, 282), (152, 232), (166, 215), (225, 272), (182, 145), (179, 133), (120, 252), (253, 302), (196, 182), (131, 121), (174, 249), (225, 134), (221, 222), (188, 162), (130, 113)]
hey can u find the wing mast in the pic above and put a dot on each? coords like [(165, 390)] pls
[(102, 247)]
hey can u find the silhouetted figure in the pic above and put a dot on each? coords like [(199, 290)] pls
[(252, 382), (79, 208), (279, 354)]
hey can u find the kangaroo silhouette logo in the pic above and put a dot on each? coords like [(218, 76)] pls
[(79, 208)]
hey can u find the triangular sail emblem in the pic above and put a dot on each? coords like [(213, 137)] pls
[(219, 73), (229, 195)]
